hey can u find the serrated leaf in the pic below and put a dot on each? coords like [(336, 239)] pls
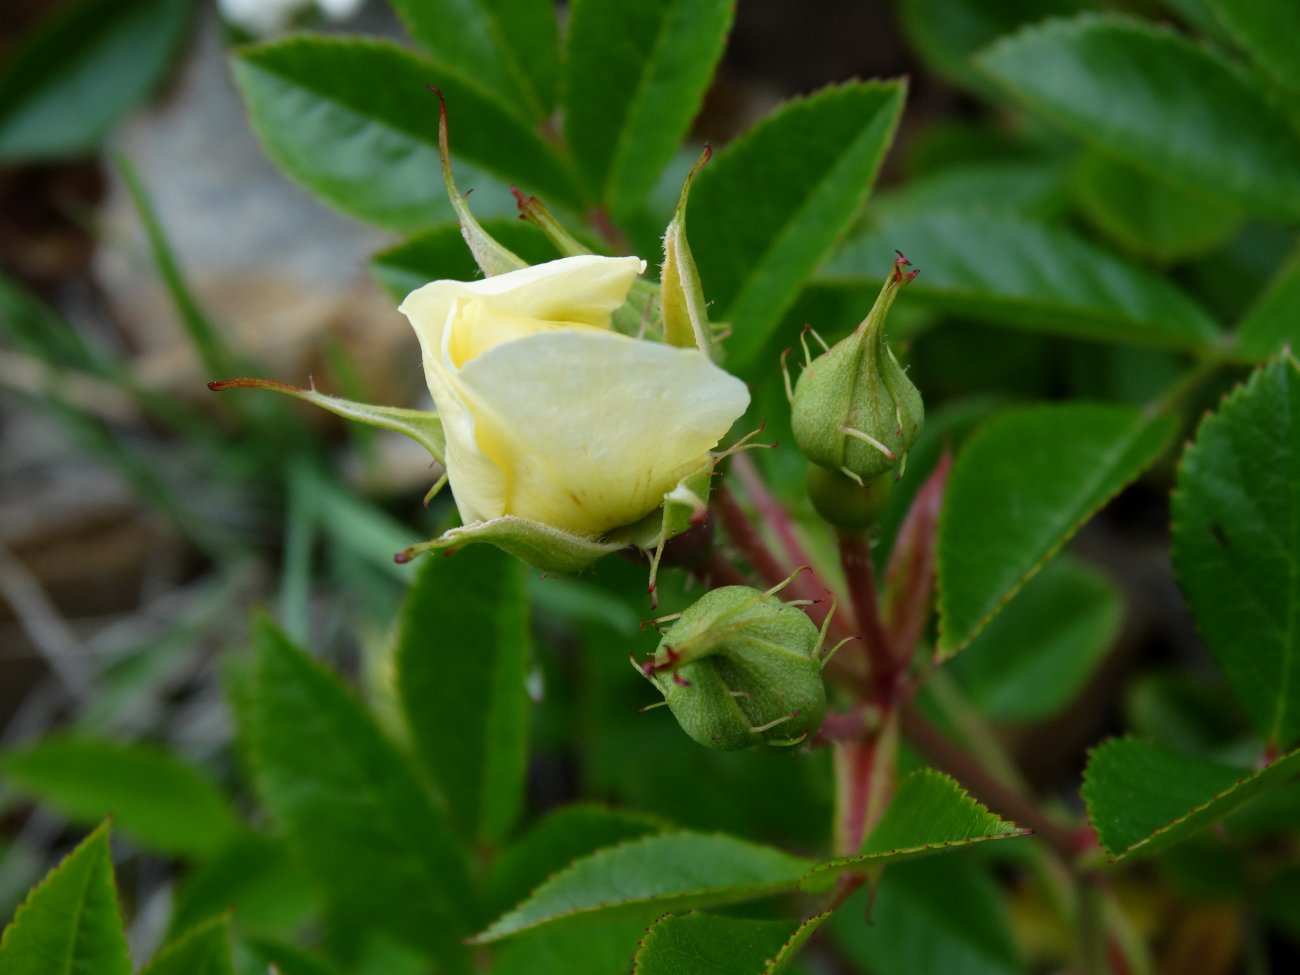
[(1159, 101), (69, 924), (636, 73), (1273, 321), (929, 813), (204, 950), (350, 805), (440, 253), (509, 47), (54, 101), (1236, 543), (772, 204), (592, 949), (1021, 487), (371, 149), (672, 871), (1038, 652), (155, 798), (930, 917), (461, 656), (1011, 270), (565, 835), (1142, 798), (1266, 30), (1147, 217), (691, 944)]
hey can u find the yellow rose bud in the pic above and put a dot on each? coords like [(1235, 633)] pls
[(552, 416)]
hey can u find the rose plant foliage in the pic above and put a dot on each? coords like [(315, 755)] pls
[(700, 667)]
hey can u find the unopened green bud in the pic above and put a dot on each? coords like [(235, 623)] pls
[(853, 409), (844, 502), (741, 668)]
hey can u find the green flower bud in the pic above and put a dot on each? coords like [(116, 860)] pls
[(847, 504), (853, 409), (741, 668)]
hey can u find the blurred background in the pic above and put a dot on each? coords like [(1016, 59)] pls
[(147, 246)]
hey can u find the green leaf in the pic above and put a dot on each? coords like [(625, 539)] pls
[(946, 33), (371, 149), (255, 878), (1010, 270), (637, 72), (1037, 654), (771, 205), (1236, 543), (1274, 320), (159, 801), (672, 871), (930, 917), (351, 806), (692, 944), (461, 656), (1266, 30), (591, 949), (509, 47), (1034, 187), (440, 253), (1142, 798), (929, 813), (1023, 485), (1151, 218), (204, 950), (69, 923), (1162, 103), (73, 78), (565, 835)]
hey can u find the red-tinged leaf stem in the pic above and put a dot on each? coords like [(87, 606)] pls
[(773, 514), (883, 664), (909, 577), (949, 757)]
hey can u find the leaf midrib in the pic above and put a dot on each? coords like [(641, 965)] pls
[(758, 272)]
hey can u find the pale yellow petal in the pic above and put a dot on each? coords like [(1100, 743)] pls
[(591, 429), (586, 289)]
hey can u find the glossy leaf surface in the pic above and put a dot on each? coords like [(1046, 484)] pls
[(1142, 798), (1236, 543), (1025, 483)]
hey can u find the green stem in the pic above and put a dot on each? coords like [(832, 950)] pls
[(1185, 385)]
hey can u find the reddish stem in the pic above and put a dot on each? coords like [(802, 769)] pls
[(959, 763), (909, 577), (855, 556), (746, 538), (864, 770), (773, 514)]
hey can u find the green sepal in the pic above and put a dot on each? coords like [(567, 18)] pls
[(686, 315), (491, 256), (422, 426), (541, 546), (534, 211)]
